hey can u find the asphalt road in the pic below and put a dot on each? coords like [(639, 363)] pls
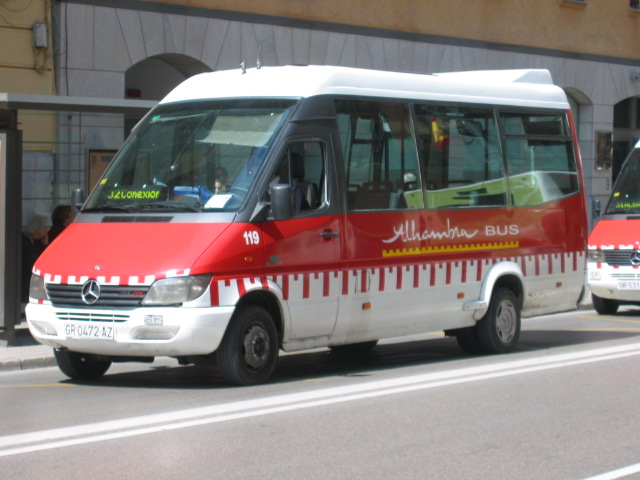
[(563, 406)]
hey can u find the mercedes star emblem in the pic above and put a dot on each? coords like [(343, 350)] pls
[(90, 292)]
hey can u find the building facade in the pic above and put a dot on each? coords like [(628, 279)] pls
[(141, 49), (27, 67)]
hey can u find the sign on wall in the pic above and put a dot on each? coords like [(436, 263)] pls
[(98, 162), (604, 150)]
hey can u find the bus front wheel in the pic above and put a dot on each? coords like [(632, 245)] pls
[(249, 350), (604, 306), (81, 366), (498, 331)]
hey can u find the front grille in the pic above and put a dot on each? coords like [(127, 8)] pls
[(110, 296), (626, 276), (619, 258), (92, 317)]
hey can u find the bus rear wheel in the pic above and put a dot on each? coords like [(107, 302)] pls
[(604, 306), (249, 350), (498, 331), (468, 340), (81, 366)]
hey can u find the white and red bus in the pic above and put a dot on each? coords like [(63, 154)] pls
[(614, 243), (289, 208)]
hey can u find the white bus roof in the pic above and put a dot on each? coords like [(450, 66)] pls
[(528, 88)]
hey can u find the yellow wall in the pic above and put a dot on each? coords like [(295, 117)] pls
[(601, 27), (24, 69)]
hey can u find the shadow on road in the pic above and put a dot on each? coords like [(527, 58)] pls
[(325, 363)]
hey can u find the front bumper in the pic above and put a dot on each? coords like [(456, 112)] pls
[(620, 283), (141, 332)]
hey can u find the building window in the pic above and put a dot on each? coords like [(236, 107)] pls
[(573, 3)]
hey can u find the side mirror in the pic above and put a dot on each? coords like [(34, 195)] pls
[(281, 202), (77, 198)]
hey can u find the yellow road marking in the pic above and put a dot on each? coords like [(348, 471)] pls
[(606, 319), (614, 329), (41, 385)]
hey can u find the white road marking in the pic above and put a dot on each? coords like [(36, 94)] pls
[(615, 474), (128, 427)]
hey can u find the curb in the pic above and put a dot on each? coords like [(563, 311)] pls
[(27, 363)]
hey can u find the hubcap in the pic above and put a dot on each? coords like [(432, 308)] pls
[(506, 321), (256, 346)]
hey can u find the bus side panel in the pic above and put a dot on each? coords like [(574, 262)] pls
[(414, 271)]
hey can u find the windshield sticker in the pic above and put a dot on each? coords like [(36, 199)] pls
[(134, 194), (218, 201)]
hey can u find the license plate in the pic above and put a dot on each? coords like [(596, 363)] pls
[(629, 285), (93, 332)]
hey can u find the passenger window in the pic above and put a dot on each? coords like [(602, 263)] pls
[(303, 166), (380, 157), (461, 155), (540, 158)]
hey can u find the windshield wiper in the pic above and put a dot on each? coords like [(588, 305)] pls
[(104, 209), (177, 206)]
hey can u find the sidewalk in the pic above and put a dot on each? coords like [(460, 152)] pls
[(27, 353)]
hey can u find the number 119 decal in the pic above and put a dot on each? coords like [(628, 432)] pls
[(251, 237)]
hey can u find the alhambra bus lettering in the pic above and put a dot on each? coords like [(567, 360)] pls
[(501, 230), (408, 232), (134, 194)]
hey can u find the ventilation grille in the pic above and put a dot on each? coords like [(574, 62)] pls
[(92, 317), (110, 296), (621, 258)]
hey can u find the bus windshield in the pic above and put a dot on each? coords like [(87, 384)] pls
[(191, 157), (626, 192)]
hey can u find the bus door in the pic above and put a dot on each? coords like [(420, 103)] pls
[(303, 254), (384, 196)]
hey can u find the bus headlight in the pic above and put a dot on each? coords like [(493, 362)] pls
[(176, 290), (37, 290), (596, 256)]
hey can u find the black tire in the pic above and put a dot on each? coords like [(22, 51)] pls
[(498, 331), (81, 366), (604, 306), (467, 340), (249, 350)]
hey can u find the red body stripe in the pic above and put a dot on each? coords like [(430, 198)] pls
[(215, 294), (305, 285), (325, 284)]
